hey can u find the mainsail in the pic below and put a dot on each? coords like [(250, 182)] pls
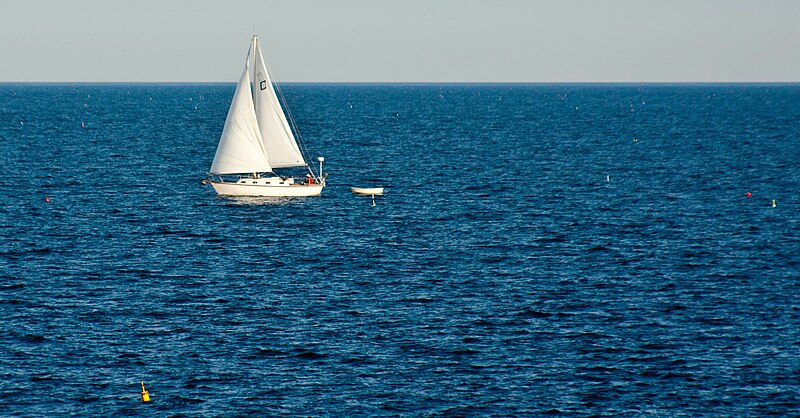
[(241, 148), (279, 142)]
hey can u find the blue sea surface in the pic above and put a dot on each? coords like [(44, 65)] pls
[(559, 249)]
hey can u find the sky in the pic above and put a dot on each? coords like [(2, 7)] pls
[(402, 40)]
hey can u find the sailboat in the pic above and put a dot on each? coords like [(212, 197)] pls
[(258, 138)]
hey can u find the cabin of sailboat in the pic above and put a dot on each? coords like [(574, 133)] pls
[(258, 138)]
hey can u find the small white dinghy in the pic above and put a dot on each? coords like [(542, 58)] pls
[(369, 191)]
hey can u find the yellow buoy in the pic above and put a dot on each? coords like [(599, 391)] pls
[(145, 394)]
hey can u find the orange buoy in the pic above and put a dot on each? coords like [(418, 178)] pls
[(145, 394), (47, 199), (748, 194)]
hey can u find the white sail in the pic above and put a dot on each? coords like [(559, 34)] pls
[(279, 142), (240, 148)]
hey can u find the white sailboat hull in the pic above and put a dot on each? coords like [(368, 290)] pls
[(266, 190)]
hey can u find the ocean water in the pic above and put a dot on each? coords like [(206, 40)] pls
[(541, 249)]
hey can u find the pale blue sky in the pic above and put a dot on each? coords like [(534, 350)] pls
[(403, 40)]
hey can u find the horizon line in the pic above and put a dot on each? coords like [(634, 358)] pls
[(640, 82)]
